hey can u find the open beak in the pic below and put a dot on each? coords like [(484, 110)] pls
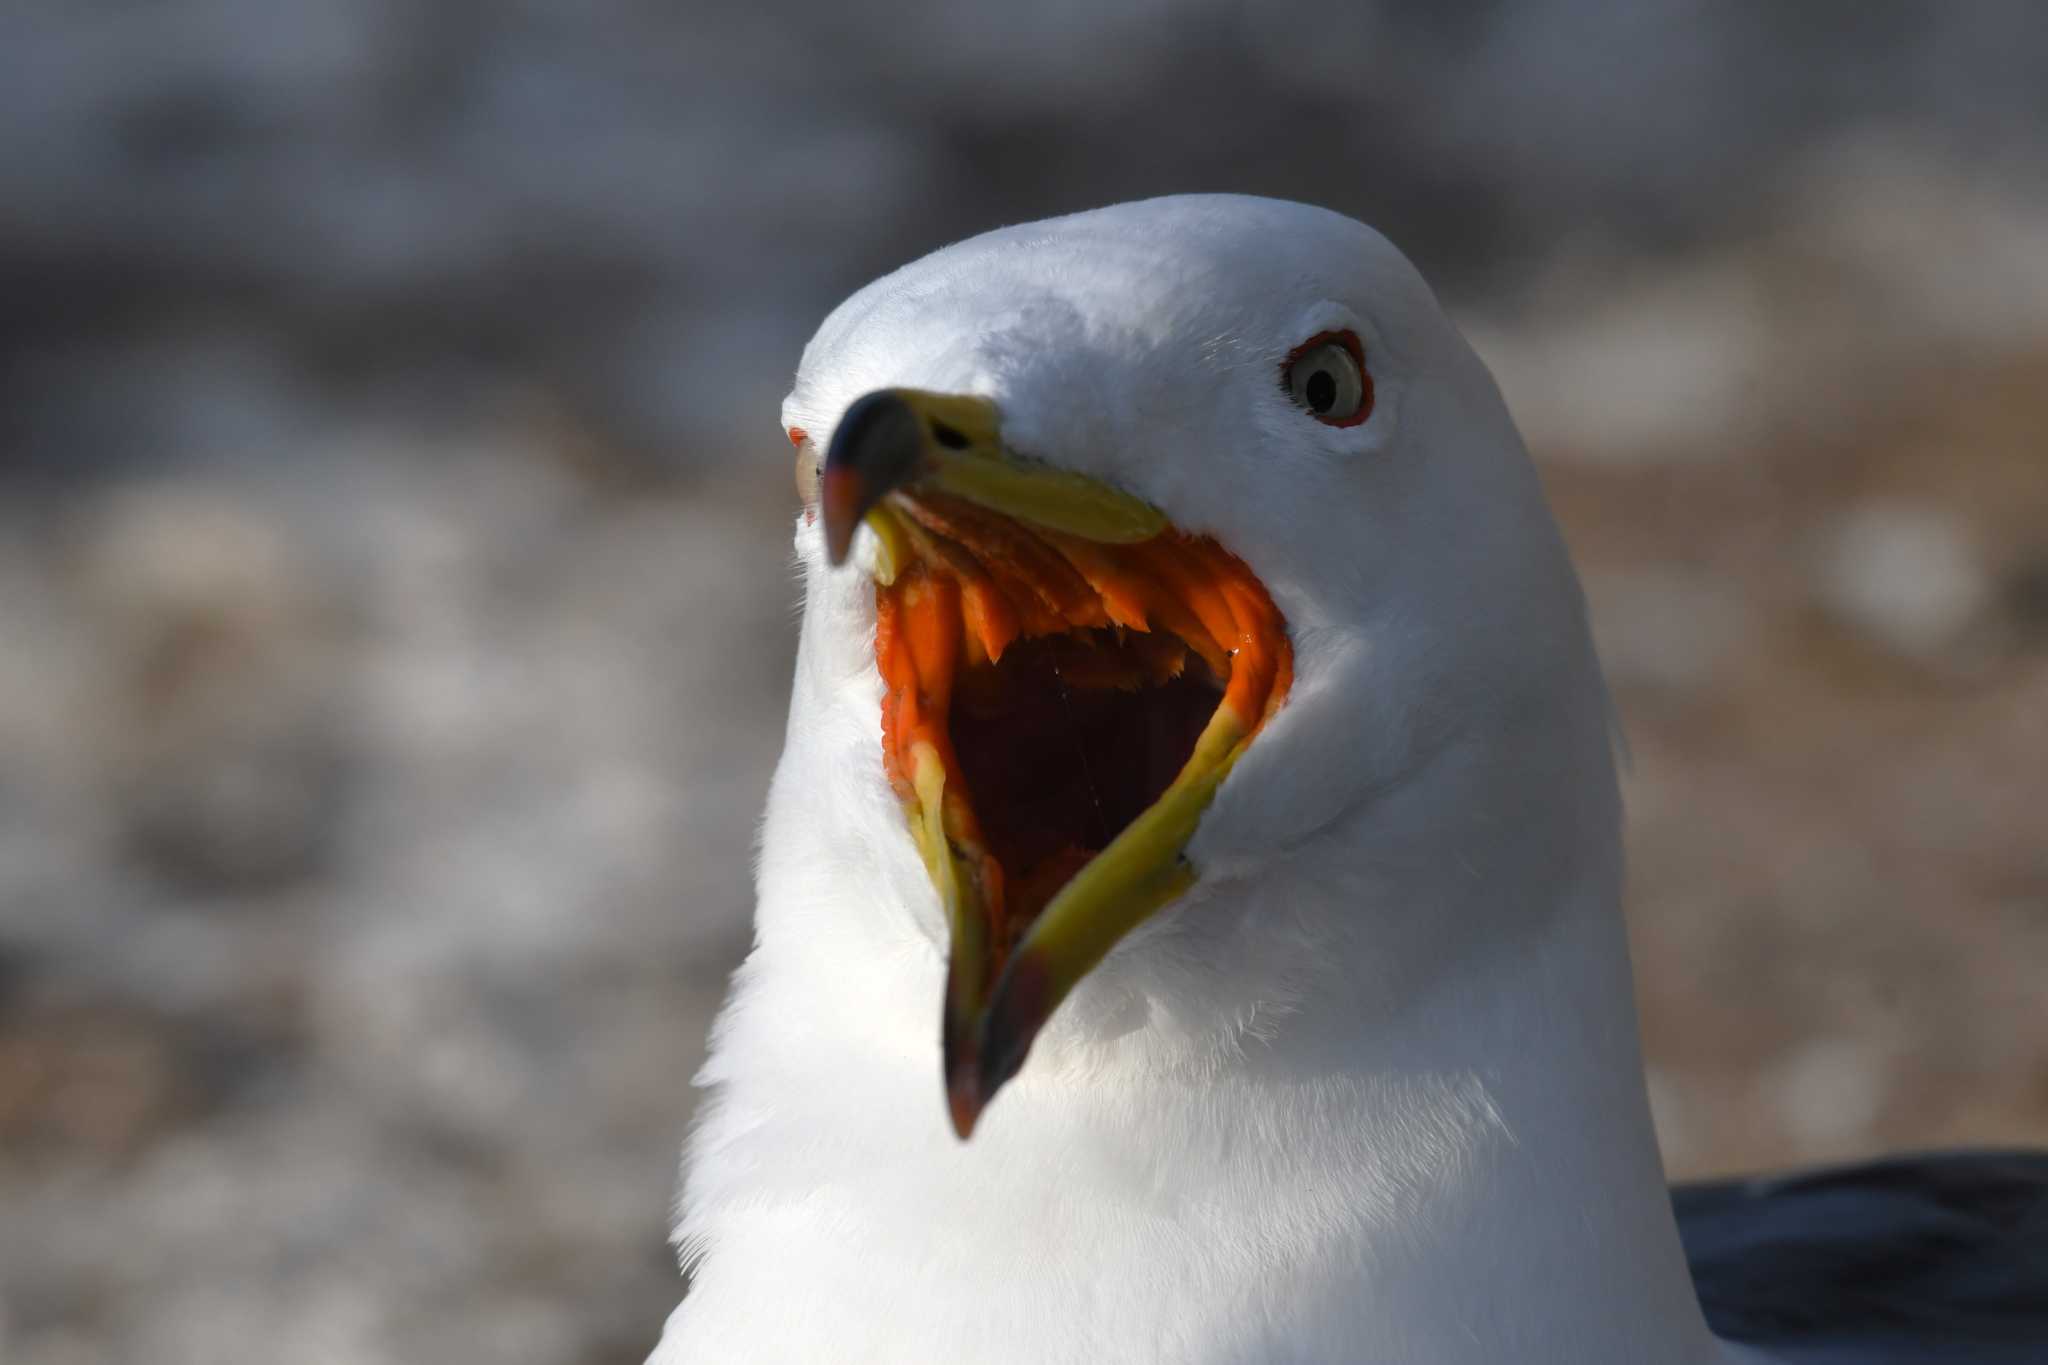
[(1068, 679)]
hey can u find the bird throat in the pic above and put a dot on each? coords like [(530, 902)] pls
[(1043, 691)]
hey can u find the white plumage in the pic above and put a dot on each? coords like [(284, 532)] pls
[(1371, 1090)]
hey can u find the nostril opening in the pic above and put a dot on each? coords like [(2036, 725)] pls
[(949, 437)]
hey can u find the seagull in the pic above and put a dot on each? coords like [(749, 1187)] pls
[(1189, 900)]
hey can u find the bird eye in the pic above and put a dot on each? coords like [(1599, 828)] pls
[(1327, 375)]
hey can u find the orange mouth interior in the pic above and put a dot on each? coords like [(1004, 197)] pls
[(1062, 683)]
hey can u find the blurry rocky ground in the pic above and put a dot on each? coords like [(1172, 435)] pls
[(394, 622)]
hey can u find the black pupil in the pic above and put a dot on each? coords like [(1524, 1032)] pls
[(1322, 391)]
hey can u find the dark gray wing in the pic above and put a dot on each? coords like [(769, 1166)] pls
[(1928, 1258)]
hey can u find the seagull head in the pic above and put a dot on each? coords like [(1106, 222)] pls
[(1188, 534)]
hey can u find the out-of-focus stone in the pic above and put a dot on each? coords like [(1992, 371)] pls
[(1829, 1091), (1662, 371), (1903, 574), (1664, 627), (215, 703)]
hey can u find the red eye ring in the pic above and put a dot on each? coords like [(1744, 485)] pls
[(1348, 342)]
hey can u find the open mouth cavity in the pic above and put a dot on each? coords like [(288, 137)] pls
[(1046, 693)]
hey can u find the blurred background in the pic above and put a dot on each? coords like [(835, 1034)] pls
[(395, 624)]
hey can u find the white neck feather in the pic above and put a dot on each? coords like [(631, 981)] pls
[(1422, 1135)]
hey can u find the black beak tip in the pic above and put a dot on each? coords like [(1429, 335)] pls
[(840, 496), (879, 446)]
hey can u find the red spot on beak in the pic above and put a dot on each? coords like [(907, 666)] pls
[(797, 437)]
